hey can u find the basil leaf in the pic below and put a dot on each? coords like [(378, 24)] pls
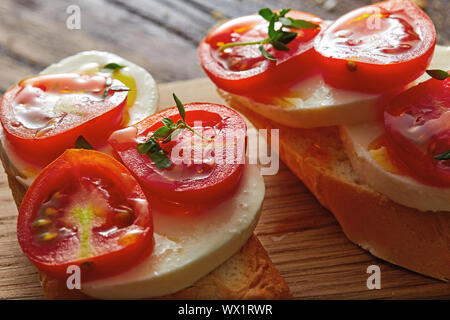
[(272, 33), (155, 153), (287, 37), (81, 143), (161, 133), (438, 74), (443, 156), (284, 11), (160, 159), (180, 107), (266, 54), (145, 147), (111, 67), (167, 122), (279, 46), (171, 136), (266, 13), (302, 24)]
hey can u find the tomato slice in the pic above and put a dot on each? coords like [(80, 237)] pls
[(243, 69), (418, 123), (377, 48), (44, 115), (85, 209), (202, 171)]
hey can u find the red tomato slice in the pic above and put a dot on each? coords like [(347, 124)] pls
[(377, 48), (243, 69), (85, 209), (200, 172), (418, 123), (44, 115)]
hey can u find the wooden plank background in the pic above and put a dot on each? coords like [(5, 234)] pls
[(302, 238)]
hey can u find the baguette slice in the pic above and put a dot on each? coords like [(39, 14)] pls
[(249, 274), (416, 240)]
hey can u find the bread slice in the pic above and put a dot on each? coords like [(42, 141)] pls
[(248, 274), (416, 240)]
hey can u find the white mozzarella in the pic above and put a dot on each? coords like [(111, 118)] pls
[(188, 247), (313, 103), (146, 101), (400, 188), (316, 104)]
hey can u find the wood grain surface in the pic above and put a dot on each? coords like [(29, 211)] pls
[(302, 238)]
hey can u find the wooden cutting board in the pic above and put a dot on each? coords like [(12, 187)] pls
[(303, 239)]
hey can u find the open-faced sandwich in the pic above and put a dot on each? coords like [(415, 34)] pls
[(140, 204), (360, 123)]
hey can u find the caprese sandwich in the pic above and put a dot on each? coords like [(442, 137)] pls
[(137, 204), (360, 122)]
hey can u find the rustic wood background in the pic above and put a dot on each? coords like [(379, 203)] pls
[(302, 238)]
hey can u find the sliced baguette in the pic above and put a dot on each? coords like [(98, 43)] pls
[(416, 240), (249, 274)]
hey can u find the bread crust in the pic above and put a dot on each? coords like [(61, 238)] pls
[(248, 274), (416, 240)]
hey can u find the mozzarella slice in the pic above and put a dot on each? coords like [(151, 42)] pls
[(146, 101), (145, 104), (312, 103), (376, 171), (188, 247)]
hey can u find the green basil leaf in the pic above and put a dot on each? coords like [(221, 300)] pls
[(167, 122), (161, 133), (111, 67), (180, 107), (81, 143), (279, 46), (266, 13), (160, 159), (105, 93), (266, 54), (443, 156), (145, 147), (302, 24), (171, 136), (438, 74), (283, 12), (272, 33), (287, 37)]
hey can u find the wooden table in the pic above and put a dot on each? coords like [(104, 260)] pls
[(303, 239)]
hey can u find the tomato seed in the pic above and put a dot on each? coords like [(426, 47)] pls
[(50, 211), (41, 222), (47, 236)]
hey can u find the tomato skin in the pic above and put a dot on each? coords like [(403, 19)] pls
[(358, 68), (291, 65), (418, 124), (44, 149), (111, 257), (219, 180)]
